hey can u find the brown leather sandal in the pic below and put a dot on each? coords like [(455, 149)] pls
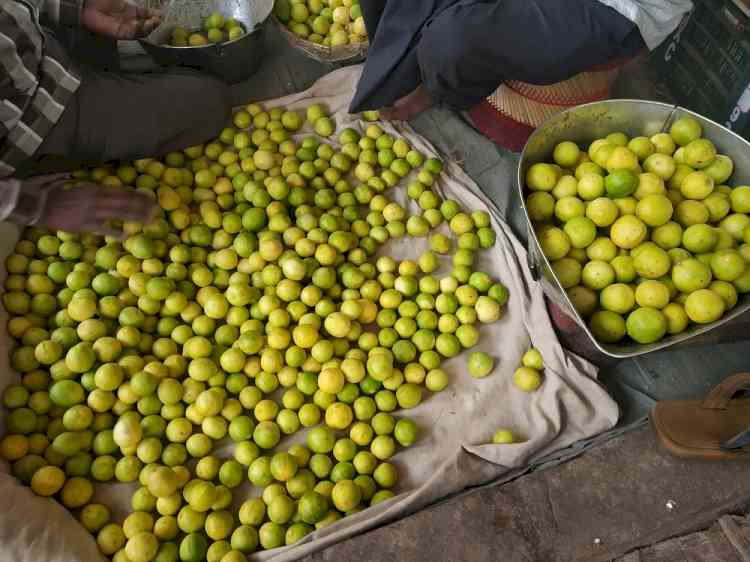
[(717, 428)]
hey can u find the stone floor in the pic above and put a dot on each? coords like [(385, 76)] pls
[(606, 503), (618, 500)]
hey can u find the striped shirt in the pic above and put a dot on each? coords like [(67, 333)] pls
[(38, 80)]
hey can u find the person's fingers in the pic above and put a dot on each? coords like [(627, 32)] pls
[(130, 212), (394, 114), (386, 113), (104, 229), (126, 205), (142, 12), (149, 25)]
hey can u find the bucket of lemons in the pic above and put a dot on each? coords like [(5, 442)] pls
[(325, 30), (639, 226), (223, 37)]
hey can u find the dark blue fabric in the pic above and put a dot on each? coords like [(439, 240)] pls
[(462, 50)]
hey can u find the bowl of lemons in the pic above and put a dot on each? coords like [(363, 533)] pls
[(325, 30), (639, 222), (222, 37)]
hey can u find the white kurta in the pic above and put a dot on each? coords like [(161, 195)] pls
[(655, 19)]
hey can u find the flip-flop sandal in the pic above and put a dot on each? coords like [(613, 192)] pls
[(716, 428)]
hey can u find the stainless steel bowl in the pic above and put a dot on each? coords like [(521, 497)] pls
[(232, 61), (585, 123)]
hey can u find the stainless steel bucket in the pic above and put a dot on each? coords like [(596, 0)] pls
[(585, 123)]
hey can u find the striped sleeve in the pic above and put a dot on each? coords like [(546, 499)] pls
[(34, 86), (20, 59)]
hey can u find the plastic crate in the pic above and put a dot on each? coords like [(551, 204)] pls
[(705, 63)]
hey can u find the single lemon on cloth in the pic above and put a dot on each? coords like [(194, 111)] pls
[(312, 507), (346, 495), (162, 482), (142, 547), (480, 364), (533, 359), (527, 379), (503, 437), (47, 481)]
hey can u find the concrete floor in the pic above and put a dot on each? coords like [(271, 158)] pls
[(499, 523)]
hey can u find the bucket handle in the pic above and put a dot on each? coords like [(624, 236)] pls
[(530, 251)]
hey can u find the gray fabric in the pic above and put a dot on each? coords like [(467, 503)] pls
[(655, 19)]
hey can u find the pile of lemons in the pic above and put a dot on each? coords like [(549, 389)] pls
[(216, 29), (260, 306), (326, 22)]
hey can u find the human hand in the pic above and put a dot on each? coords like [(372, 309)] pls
[(91, 208), (119, 19), (409, 106)]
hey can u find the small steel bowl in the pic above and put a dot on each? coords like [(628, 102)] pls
[(232, 61)]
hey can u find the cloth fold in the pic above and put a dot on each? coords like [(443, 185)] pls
[(456, 424)]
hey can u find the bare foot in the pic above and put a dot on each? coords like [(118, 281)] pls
[(409, 106)]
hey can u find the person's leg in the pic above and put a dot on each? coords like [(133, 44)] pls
[(467, 51), (127, 116), (89, 49)]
